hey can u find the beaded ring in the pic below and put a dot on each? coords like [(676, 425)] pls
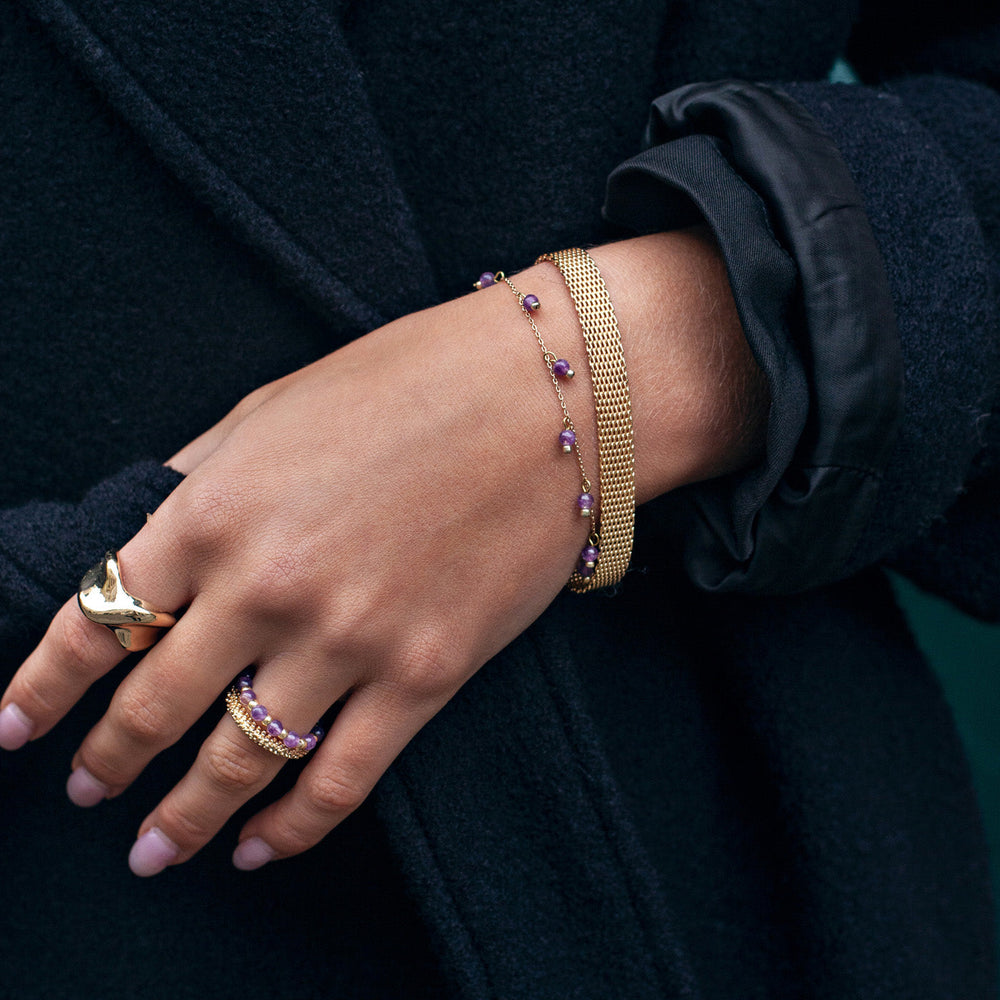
[(265, 730), (559, 370)]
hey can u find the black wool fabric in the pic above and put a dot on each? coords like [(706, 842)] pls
[(736, 777)]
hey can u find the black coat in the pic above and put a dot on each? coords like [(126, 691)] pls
[(735, 778)]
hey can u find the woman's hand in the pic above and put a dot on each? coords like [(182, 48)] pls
[(372, 529)]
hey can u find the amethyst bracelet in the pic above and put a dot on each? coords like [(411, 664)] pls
[(560, 370)]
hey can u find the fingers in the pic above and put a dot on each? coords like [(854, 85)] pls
[(73, 654), (159, 701), (229, 770), (370, 732), (75, 651)]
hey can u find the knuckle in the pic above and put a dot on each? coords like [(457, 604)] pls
[(189, 830), (35, 699), (424, 665), (232, 769), (334, 793), (297, 833), (139, 718), (277, 582), (86, 644), (212, 513)]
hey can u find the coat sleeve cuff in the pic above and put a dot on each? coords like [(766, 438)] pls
[(812, 294)]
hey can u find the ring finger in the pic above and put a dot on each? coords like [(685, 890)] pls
[(230, 768)]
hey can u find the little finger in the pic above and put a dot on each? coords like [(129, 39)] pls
[(371, 730)]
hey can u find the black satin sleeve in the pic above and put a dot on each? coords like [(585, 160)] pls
[(812, 295)]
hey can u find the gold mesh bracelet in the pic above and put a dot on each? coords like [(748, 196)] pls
[(616, 516)]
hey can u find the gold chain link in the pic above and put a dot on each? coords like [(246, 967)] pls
[(550, 359), (616, 515)]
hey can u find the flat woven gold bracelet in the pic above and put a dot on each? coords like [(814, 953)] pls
[(616, 514)]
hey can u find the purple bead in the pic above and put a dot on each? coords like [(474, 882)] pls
[(586, 571), (245, 681), (258, 713), (590, 554), (585, 501), (292, 740), (567, 439), (486, 279), (319, 732), (562, 368), (311, 741), (247, 695), (274, 727), (531, 302)]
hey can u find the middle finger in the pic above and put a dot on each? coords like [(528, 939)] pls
[(158, 701)]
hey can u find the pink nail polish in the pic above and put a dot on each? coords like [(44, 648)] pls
[(151, 853), (84, 789), (15, 728), (252, 853)]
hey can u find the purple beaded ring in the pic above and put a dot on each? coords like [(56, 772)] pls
[(265, 730)]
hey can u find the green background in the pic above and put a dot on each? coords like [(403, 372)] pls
[(966, 655)]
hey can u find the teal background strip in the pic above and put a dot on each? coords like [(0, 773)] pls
[(965, 653)]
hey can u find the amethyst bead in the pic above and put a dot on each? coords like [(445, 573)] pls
[(310, 741), (589, 555), (567, 439), (531, 302), (274, 728), (585, 501), (586, 571), (258, 713), (245, 681), (292, 740), (486, 279), (562, 369), (319, 732), (247, 695)]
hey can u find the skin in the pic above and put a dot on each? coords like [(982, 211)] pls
[(344, 528)]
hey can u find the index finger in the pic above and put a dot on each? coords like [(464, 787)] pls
[(73, 653)]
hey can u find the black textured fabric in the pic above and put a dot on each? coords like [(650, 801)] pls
[(670, 793)]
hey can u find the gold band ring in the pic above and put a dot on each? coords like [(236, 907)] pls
[(103, 599), (265, 730)]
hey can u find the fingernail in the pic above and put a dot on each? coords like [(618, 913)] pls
[(252, 853), (151, 853), (84, 789), (15, 728)]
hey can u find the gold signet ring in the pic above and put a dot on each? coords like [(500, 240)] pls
[(104, 599)]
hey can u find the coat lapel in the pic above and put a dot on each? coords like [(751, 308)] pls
[(263, 116)]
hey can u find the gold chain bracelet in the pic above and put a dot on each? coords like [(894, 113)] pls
[(616, 478)]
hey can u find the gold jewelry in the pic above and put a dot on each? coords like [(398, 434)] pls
[(103, 599), (265, 730), (616, 518), (559, 368)]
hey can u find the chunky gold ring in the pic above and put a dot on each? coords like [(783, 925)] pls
[(103, 599)]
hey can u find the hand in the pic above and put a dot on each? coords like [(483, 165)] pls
[(370, 530)]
